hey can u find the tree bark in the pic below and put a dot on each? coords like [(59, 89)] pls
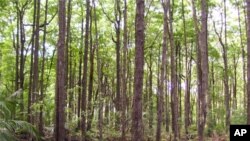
[(151, 102), (162, 74), (187, 81), (84, 79), (17, 48), (204, 70), (80, 75), (60, 75), (35, 90), (43, 69), (124, 72), (91, 76), (248, 61), (30, 96), (174, 96), (227, 93), (68, 61), (137, 134)]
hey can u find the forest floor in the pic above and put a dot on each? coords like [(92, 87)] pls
[(48, 136)]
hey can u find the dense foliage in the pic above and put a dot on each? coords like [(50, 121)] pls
[(29, 44)]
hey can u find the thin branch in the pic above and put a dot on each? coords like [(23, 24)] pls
[(112, 21)]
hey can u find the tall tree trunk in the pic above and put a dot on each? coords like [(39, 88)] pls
[(30, 96), (179, 92), (227, 94), (151, 102), (225, 61), (17, 48), (80, 74), (117, 41), (91, 76), (200, 104), (137, 134), (22, 48), (204, 70), (68, 61), (85, 69), (35, 90), (187, 81), (43, 69), (160, 97), (243, 51), (174, 96), (124, 72), (60, 76), (248, 61)]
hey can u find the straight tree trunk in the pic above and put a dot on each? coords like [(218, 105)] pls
[(124, 72), (84, 79), (43, 69), (80, 75), (174, 96), (91, 76), (30, 94), (22, 48), (227, 93), (100, 88), (137, 127), (200, 125), (68, 61), (60, 75), (117, 41), (248, 61), (17, 48), (151, 103), (35, 90), (162, 75), (245, 69), (204, 70), (187, 81)]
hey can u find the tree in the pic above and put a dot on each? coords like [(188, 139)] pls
[(248, 62), (203, 47), (43, 69), (162, 73), (84, 76), (174, 94), (137, 133), (124, 71), (60, 75), (225, 60)]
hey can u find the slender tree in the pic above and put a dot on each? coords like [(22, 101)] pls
[(248, 61), (43, 68), (80, 72), (137, 134), (124, 72), (187, 69), (162, 73), (84, 77), (35, 90), (225, 60), (60, 75), (30, 96), (91, 77), (204, 70), (174, 96)]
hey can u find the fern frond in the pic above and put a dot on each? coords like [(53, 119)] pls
[(6, 135)]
